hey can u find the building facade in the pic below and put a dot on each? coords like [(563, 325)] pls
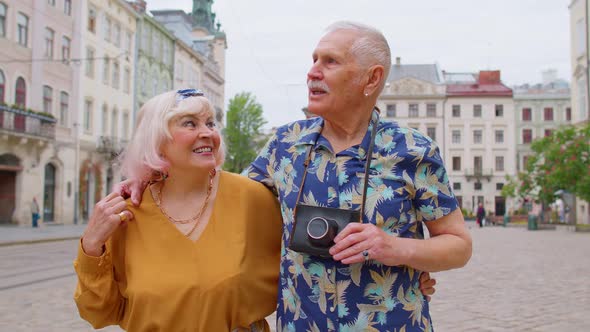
[(36, 104)]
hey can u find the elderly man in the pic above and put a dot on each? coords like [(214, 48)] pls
[(371, 282)]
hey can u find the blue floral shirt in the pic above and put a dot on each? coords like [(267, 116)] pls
[(408, 185)]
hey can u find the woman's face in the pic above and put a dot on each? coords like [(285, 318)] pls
[(194, 144)]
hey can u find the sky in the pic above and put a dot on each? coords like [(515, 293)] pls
[(270, 42)]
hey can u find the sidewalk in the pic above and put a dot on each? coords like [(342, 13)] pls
[(11, 235)]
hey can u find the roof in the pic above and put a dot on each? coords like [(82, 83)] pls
[(429, 73), (486, 83)]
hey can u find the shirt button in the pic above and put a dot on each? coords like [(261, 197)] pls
[(331, 309), (329, 271)]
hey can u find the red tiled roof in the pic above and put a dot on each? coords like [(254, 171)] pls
[(488, 84)]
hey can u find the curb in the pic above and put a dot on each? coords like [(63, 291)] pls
[(19, 242)]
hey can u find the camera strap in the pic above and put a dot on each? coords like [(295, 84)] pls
[(368, 157)]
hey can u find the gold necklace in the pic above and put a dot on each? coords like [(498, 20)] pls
[(195, 218)]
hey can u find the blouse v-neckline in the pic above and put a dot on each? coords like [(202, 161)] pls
[(169, 225)]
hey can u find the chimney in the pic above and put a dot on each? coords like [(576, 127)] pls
[(138, 5), (398, 61), (489, 77)]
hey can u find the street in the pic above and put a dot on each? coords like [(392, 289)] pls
[(517, 280)]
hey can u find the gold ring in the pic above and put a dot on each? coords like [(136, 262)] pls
[(122, 216)]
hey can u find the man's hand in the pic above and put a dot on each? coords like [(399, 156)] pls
[(427, 285), (358, 242), (131, 188)]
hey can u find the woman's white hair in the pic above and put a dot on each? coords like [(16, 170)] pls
[(370, 48)]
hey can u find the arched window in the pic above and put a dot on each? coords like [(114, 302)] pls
[(2, 86), (20, 93)]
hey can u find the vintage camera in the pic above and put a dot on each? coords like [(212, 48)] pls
[(316, 227)]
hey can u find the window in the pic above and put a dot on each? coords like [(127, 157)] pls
[(63, 108), (88, 105), (548, 114), (568, 114), (456, 111), (68, 7), (47, 98), (477, 185), (49, 36), (51, 2), (548, 132), (2, 20), (22, 29), (527, 136), (456, 136), (456, 185), (500, 163), (107, 28), (117, 35), (499, 111), (105, 119), (116, 75), (413, 111), (477, 136), (527, 114), (66, 44), (456, 163), (391, 109), (499, 186), (128, 41), (92, 20), (125, 129), (114, 123), (525, 160), (90, 62), (478, 164), (431, 110), (477, 111), (499, 136), (127, 80), (431, 132), (106, 70), (20, 92), (2, 86)]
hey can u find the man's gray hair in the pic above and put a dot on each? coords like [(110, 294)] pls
[(371, 48)]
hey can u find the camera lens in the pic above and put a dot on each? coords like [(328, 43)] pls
[(317, 228)]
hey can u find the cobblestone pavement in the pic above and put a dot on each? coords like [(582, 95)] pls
[(517, 280)]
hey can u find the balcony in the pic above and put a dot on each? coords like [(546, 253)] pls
[(110, 146), (26, 124), (479, 173)]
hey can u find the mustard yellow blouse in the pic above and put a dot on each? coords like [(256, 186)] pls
[(152, 278)]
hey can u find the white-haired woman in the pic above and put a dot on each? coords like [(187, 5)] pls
[(202, 253)]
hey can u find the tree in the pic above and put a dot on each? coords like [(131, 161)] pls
[(560, 161), (243, 137)]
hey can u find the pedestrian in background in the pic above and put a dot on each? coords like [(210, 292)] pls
[(35, 212), (480, 215)]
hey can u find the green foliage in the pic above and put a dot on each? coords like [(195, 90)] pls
[(560, 161), (242, 134)]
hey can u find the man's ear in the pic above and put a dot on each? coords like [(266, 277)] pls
[(375, 77)]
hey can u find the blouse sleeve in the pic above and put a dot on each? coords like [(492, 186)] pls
[(97, 293)]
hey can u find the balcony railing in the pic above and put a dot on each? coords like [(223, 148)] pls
[(479, 173), (110, 146), (25, 123)]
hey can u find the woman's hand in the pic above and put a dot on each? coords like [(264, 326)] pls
[(427, 285), (107, 216), (131, 188)]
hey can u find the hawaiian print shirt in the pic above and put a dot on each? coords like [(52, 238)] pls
[(408, 185)]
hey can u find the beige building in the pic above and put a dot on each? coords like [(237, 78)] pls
[(105, 79), (580, 89), (479, 142), (37, 97), (414, 96)]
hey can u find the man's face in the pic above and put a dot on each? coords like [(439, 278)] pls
[(334, 78)]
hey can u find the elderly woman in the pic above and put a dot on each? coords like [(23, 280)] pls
[(202, 253)]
